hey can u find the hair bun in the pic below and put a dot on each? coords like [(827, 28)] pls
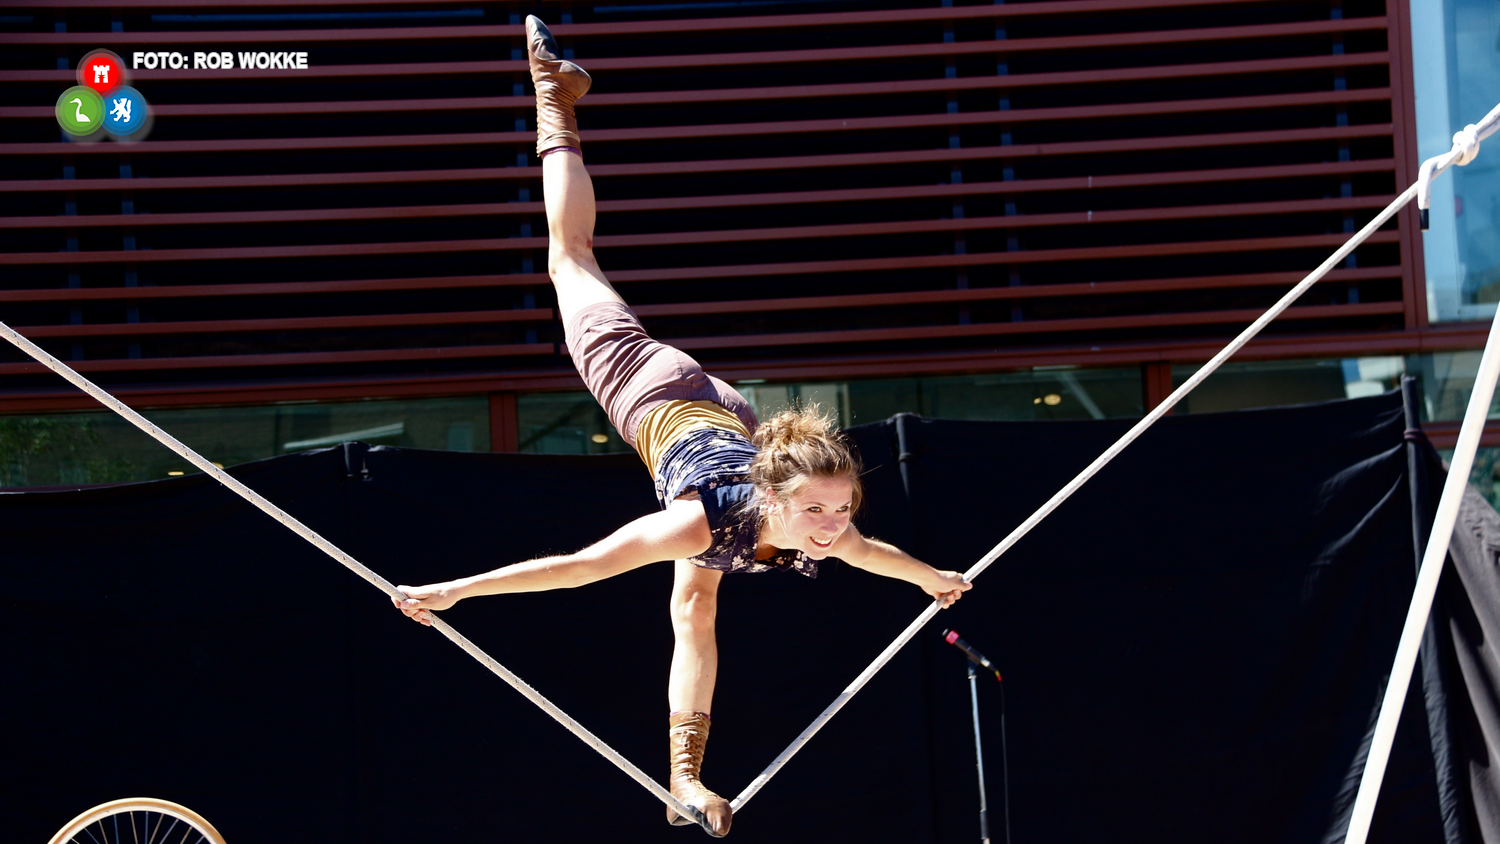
[(797, 425), (799, 444)]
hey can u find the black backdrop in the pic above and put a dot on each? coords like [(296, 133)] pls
[(1194, 646)]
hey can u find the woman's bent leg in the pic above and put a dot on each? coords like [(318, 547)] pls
[(690, 691)]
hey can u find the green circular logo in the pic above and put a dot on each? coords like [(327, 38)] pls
[(80, 111)]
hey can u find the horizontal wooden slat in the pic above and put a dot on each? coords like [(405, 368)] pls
[(726, 201), (484, 209), (967, 224), (725, 24), (882, 53), (785, 92), (662, 168), (289, 359), (726, 341), (844, 365), (736, 130), (989, 329), (802, 303), (996, 294), (240, 326), (272, 288), (682, 238), (980, 259), (311, 288)]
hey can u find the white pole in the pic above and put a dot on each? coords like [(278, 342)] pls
[(352, 564), (1427, 581)]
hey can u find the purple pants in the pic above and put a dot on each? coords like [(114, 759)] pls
[(629, 373)]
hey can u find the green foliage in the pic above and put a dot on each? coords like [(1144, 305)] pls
[(56, 451)]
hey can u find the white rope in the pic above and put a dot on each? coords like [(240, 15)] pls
[(353, 565), (1486, 128), (1465, 146)]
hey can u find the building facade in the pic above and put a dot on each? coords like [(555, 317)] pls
[(1043, 210)]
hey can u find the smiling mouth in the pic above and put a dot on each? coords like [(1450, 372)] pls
[(828, 544)]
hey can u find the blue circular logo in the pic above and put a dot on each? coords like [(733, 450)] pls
[(124, 111)]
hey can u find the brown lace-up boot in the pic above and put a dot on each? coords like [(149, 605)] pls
[(558, 84), (689, 735)]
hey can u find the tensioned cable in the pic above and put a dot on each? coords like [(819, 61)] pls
[(1466, 145), (353, 565)]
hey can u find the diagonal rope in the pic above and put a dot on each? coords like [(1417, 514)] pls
[(353, 565), (1430, 169)]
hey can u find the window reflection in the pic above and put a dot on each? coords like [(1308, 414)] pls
[(1457, 79), (573, 423), (100, 447)]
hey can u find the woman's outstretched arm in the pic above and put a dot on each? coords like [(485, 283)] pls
[(678, 532), (886, 559)]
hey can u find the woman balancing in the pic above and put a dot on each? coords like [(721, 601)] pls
[(736, 496)]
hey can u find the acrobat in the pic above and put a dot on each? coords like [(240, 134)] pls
[(736, 495)]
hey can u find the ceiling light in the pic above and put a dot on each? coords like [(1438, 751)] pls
[(600, 438), (1036, 401), (174, 474), (1052, 399)]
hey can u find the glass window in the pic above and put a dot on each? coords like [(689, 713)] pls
[(565, 423), (100, 447), (1239, 386), (1447, 383), (1457, 75), (1484, 474), (1447, 380), (1041, 393), (573, 423), (769, 399), (1059, 392)]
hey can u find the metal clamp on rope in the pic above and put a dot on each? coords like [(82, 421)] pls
[(1465, 148)]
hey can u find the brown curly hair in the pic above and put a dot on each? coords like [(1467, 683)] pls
[(798, 445)]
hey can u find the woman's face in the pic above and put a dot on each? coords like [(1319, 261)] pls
[(813, 519)]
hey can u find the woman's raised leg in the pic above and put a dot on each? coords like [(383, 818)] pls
[(568, 193)]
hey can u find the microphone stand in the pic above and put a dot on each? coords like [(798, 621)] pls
[(984, 816)]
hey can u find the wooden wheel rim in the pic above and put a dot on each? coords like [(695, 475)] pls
[(135, 804)]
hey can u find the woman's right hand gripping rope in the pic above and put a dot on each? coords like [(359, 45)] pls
[(420, 599)]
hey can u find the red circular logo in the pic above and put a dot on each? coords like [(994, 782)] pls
[(101, 70)]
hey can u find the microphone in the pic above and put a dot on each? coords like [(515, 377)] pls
[(952, 638)]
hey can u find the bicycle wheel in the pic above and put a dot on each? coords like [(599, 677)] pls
[(138, 820)]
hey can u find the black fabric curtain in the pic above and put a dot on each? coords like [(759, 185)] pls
[(1468, 612), (1194, 647)]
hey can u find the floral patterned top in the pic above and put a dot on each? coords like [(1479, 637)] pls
[(717, 463)]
